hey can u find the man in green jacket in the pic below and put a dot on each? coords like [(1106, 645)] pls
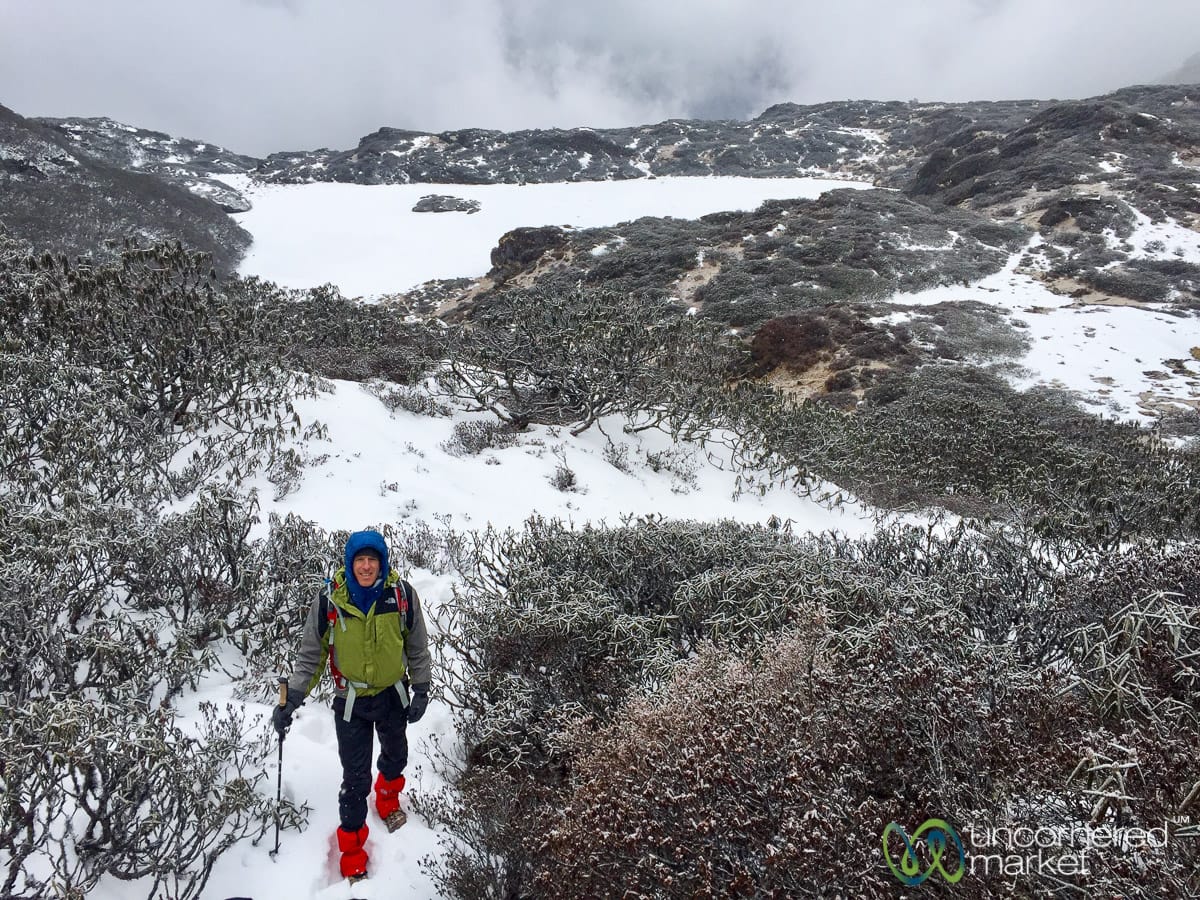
[(367, 623)]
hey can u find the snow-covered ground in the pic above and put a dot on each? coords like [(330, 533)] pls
[(1122, 361), (382, 467)]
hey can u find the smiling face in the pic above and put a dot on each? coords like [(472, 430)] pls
[(366, 569)]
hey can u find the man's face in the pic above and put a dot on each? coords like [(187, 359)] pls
[(366, 569)]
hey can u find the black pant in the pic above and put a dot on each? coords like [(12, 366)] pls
[(385, 714)]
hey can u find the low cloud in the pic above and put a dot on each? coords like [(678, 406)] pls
[(266, 75)]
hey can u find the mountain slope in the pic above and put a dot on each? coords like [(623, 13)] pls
[(59, 198), (182, 161)]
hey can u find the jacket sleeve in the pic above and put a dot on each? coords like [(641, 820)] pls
[(416, 646), (310, 660)]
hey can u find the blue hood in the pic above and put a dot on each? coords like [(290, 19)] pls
[(364, 597)]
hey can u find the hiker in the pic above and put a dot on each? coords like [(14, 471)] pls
[(367, 621)]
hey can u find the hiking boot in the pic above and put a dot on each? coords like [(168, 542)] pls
[(354, 857), (387, 801)]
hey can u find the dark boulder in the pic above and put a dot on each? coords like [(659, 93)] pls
[(522, 248)]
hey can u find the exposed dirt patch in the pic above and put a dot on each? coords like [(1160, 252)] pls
[(814, 383), (801, 385), (456, 307), (461, 304), (692, 281)]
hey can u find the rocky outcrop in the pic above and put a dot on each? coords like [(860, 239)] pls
[(439, 203)]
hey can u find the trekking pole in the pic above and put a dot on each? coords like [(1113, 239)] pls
[(279, 775)]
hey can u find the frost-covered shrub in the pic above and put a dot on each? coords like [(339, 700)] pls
[(676, 461), (68, 434), (187, 348), (817, 713), (109, 622), (784, 777), (564, 478), (113, 369), (422, 546), (285, 472), (129, 386), (1147, 287), (789, 780), (617, 456), (470, 438), (610, 590), (650, 255), (1091, 214), (95, 789), (416, 400), (963, 439), (967, 331), (323, 333)]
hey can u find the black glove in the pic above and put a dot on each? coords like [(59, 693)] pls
[(281, 718), (420, 700)]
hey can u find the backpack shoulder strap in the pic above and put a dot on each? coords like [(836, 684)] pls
[(326, 611), (404, 602)]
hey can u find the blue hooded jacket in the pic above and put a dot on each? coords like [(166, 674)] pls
[(364, 597)]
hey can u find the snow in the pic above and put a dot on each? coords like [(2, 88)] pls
[(1172, 240), (1115, 358), (504, 487), (368, 241)]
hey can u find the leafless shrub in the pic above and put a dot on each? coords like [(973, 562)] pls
[(678, 461), (617, 456), (423, 546), (561, 355)]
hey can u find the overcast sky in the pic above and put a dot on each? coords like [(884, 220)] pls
[(264, 75)]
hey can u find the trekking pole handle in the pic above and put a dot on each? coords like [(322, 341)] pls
[(283, 691)]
